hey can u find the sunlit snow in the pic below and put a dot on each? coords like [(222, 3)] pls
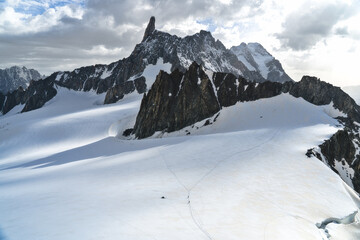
[(65, 173), (151, 71)]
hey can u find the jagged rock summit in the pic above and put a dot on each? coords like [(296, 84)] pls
[(14, 77), (149, 29)]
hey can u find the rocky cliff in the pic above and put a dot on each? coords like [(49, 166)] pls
[(226, 90), (179, 99), (34, 97), (176, 100)]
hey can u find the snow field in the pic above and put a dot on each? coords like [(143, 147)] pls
[(67, 174)]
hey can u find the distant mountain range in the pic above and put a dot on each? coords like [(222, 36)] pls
[(256, 58), (125, 76), (14, 77), (250, 61)]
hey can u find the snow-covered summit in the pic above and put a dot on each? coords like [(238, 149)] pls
[(14, 77), (201, 47), (156, 45), (256, 58)]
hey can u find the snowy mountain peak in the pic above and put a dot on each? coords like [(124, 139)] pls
[(14, 77), (163, 51), (149, 29), (179, 52), (258, 48), (257, 58)]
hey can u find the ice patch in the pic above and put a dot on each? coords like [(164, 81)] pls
[(332, 111), (151, 71), (209, 73), (58, 76), (106, 74)]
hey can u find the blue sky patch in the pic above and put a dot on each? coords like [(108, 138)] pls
[(38, 7), (211, 26)]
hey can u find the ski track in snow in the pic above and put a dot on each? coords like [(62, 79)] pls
[(188, 190), (65, 175)]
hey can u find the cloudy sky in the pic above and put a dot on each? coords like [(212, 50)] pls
[(319, 38)]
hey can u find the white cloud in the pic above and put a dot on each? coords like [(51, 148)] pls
[(64, 34), (16, 23), (188, 26), (101, 50)]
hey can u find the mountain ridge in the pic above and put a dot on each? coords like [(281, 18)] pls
[(123, 77), (179, 100)]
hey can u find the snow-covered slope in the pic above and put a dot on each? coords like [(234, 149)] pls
[(256, 58), (65, 174), (14, 77), (354, 92)]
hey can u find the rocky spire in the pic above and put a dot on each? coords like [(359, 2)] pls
[(149, 29)]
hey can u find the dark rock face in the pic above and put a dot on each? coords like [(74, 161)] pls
[(176, 100), (12, 99), (339, 147), (179, 99), (2, 101), (117, 92), (34, 97), (149, 29), (226, 88), (156, 113), (251, 91), (140, 85), (196, 99), (321, 93), (39, 93)]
